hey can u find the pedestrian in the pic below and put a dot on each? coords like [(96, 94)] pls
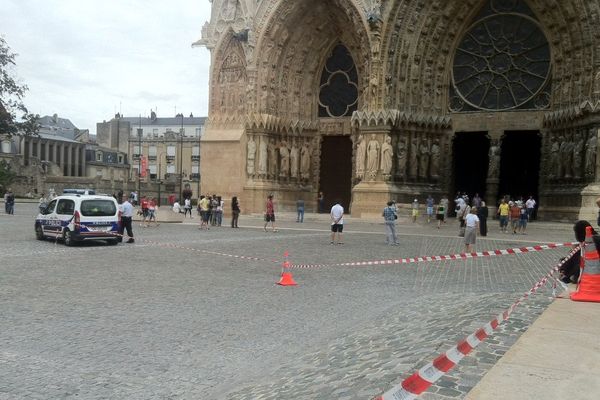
[(503, 211), (482, 214), (429, 204), (523, 218), (42, 203), (515, 214), (270, 213), (126, 220), (203, 205), (321, 203), (9, 202), (300, 210), (235, 212), (415, 210), (152, 211), (476, 202), (471, 228), (389, 219), (220, 205), (187, 207), (440, 214), (213, 209), (444, 202), (337, 222), (144, 205), (530, 204)]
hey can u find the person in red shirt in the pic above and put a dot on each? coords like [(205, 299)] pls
[(144, 205), (515, 214), (270, 213)]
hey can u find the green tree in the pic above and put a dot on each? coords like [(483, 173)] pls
[(7, 176), (11, 98)]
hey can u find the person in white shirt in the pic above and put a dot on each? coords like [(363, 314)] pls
[(530, 205), (471, 229), (187, 207), (337, 222), (126, 218), (177, 208)]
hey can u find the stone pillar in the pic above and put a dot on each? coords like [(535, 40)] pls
[(69, 163), (55, 153), (77, 161), (39, 149), (82, 162), (47, 151), (29, 151), (493, 178)]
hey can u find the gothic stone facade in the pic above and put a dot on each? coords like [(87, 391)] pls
[(399, 80)]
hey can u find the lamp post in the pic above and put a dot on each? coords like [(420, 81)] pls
[(139, 134), (181, 159)]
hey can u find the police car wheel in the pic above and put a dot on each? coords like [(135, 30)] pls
[(68, 238), (39, 234), (113, 242)]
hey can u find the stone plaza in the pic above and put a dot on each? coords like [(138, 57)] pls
[(177, 316)]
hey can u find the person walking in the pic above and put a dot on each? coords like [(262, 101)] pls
[(523, 218), (152, 211), (444, 202), (126, 221), (300, 210), (482, 214), (235, 212), (530, 204), (270, 213), (471, 228), (337, 222), (9, 202), (43, 203), (187, 207), (321, 202), (503, 210), (415, 210), (203, 205), (429, 204), (389, 219)]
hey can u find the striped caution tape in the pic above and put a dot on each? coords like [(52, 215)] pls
[(459, 256), (417, 383)]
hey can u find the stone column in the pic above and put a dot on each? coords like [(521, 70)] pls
[(69, 163), (493, 178), (55, 153), (39, 149), (47, 151), (77, 161), (29, 151), (82, 162)]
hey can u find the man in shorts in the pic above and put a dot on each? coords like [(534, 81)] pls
[(337, 222)]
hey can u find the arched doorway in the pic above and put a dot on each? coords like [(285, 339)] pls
[(470, 163), (520, 164)]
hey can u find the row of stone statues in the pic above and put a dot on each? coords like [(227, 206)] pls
[(573, 155), (278, 159), (417, 157)]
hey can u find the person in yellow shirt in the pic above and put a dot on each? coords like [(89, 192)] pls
[(503, 210)]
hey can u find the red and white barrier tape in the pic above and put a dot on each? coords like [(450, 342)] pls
[(417, 383), (460, 256)]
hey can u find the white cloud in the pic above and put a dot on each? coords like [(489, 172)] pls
[(85, 59)]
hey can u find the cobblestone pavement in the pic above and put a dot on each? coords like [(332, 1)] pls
[(150, 321)]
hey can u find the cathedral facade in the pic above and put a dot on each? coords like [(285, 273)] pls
[(371, 100)]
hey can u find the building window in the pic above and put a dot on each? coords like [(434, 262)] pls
[(120, 158), (99, 156), (170, 169), (155, 131), (198, 131), (137, 151)]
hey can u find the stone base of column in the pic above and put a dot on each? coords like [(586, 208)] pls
[(589, 208)]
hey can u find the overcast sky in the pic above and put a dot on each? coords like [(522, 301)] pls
[(87, 59)]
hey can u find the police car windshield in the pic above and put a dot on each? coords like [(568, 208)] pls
[(98, 208)]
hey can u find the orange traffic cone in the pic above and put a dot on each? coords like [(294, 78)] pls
[(286, 276), (589, 285)]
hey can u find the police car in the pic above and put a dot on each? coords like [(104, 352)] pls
[(77, 217)]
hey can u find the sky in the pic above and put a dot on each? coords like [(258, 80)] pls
[(85, 60)]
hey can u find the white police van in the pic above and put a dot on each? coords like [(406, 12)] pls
[(76, 217)]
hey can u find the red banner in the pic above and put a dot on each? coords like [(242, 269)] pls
[(144, 166)]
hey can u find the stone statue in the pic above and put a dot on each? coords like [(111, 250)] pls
[(566, 157), (262, 157), (412, 161), (294, 153), (272, 159), (423, 158), (434, 168), (372, 157), (578, 157), (361, 148), (590, 154), (555, 167), (402, 153), (386, 156), (305, 161), (284, 157), (250, 156), (494, 160)]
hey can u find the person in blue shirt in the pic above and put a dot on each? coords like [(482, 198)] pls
[(389, 218)]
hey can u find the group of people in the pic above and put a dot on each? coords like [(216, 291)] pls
[(210, 210), (148, 211)]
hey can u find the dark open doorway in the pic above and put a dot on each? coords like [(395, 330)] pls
[(471, 159), (520, 164), (336, 170)]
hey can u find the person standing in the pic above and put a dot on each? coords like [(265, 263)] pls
[(321, 203), (515, 215), (152, 211), (444, 202), (389, 218), (144, 205), (440, 214), (43, 202), (482, 214), (429, 204), (204, 216), (270, 213), (220, 205), (9, 202), (503, 210), (530, 204), (471, 228), (523, 218), (126, 220), (187, 207), (415, 210), (300, 210), (337, 222), (235, 212)]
